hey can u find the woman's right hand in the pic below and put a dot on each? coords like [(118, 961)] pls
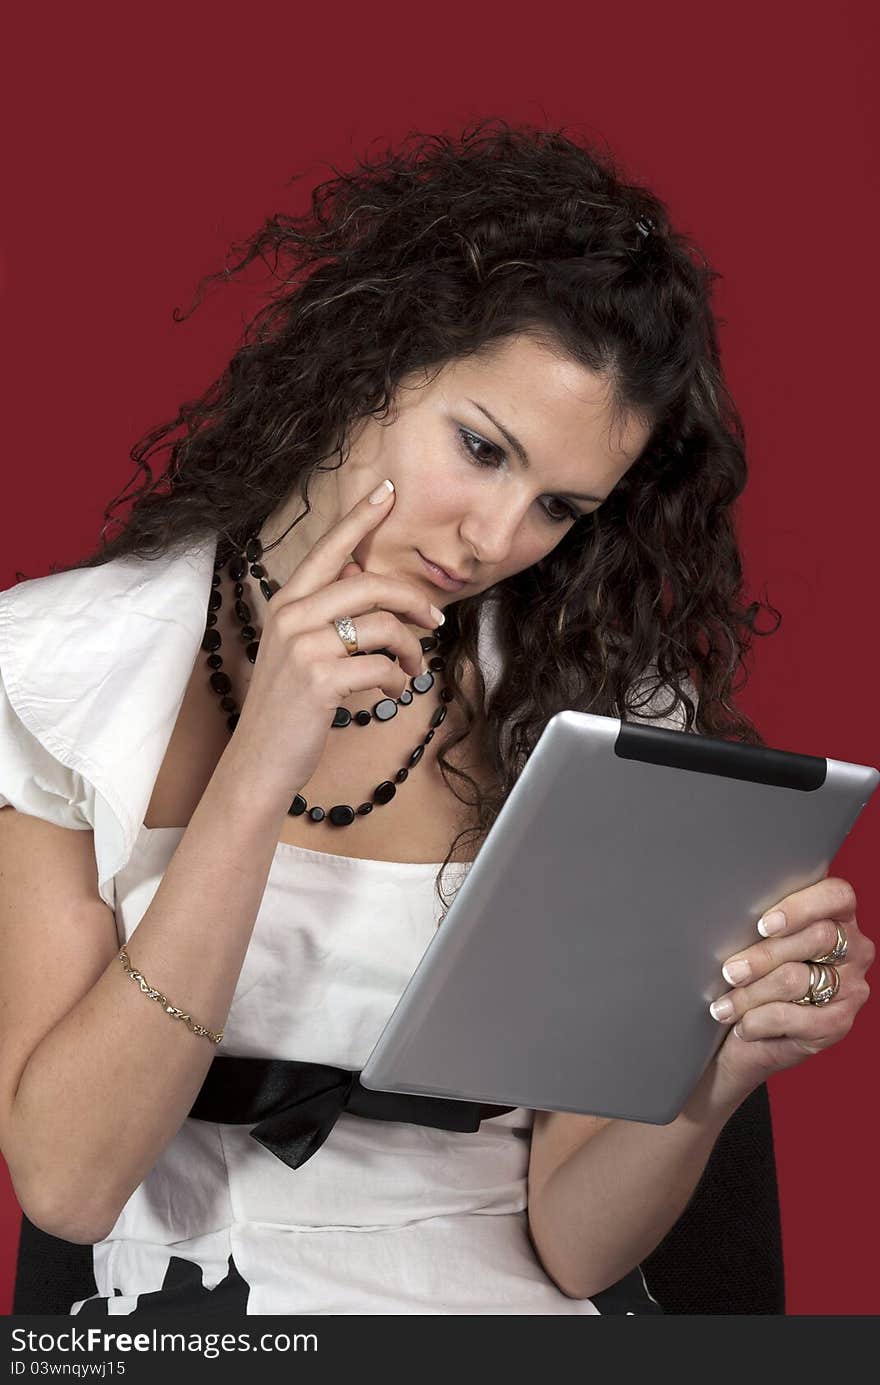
[(303, 670)]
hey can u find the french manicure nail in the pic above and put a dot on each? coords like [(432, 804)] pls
[(381, 492), (734, 972), (771, 923), (721, 1009), (438, 616)]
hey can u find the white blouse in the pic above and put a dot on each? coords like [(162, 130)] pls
[(386, 1217)]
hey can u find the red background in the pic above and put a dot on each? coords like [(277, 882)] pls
[(139, 147)]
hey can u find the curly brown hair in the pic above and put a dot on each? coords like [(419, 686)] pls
[(424, 254)]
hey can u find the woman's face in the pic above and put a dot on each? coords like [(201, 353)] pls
[(467, 498)]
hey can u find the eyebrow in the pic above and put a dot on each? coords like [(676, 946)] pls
[(523, 455)]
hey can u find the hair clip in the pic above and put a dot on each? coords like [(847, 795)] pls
[(645, 225)]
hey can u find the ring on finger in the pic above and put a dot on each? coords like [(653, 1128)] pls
[(827, 988), (807, 997), (823, 987), (838, 952), (347, 632)]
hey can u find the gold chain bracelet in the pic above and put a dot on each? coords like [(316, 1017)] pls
[(163, 1001)]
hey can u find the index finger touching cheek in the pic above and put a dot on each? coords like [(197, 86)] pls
[(333, 549)]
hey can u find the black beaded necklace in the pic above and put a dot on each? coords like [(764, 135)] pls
[(341, 814)]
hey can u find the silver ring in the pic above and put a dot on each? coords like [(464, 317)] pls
[(347, 632)]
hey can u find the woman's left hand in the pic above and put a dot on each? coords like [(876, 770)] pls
[(768, 1031)]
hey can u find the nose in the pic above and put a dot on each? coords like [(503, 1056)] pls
[(491, 525)]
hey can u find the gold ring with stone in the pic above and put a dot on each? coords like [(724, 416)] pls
[(827, 987), (838, 952), (823, 987), (347, 632), (807, 997)]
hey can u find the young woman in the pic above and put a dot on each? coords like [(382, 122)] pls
[(474, 464)]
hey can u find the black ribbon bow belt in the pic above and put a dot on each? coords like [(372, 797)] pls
[(296, 1105)]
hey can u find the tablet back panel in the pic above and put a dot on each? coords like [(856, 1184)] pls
[(576, 965)]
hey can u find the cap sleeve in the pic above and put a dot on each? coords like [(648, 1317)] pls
[(33, 781), (94, 663)]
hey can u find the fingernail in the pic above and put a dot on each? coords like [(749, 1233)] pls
[(721, 1009), (738, 1030), (734, 972), (381, 492), (771, 923), (438, 616)]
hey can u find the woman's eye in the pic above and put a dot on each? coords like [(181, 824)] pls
[(567, 511), (495, 457), (468, 438)]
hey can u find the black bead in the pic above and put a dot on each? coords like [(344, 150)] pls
[(248, 632), (316, 814), (252, 651), (266, 589), (437, 663), (341, 815), (417, 755), (232, 721), (215, 600), (363, 718), (211, 619), (364, 809), (384, 792), (387, 652), (228, 704), (216, 579), (221, 683), (385, 710), (405, 698), (438, 717), (401, 775), (342, 717), (239, 590), (429, 737), (423, 682), (211, 640), (257, 570), (214, 661), (237, 568), (428, 642), (446, 695), (243, 611), (253, 550), (297, 807)]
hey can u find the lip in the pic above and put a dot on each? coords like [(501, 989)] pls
[(440, 577)]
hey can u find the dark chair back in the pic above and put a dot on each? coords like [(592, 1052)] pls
[(724, 1254)]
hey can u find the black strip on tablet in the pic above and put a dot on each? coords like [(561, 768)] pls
[(657, 745)]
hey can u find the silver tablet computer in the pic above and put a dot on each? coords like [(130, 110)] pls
[(576, 965)]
